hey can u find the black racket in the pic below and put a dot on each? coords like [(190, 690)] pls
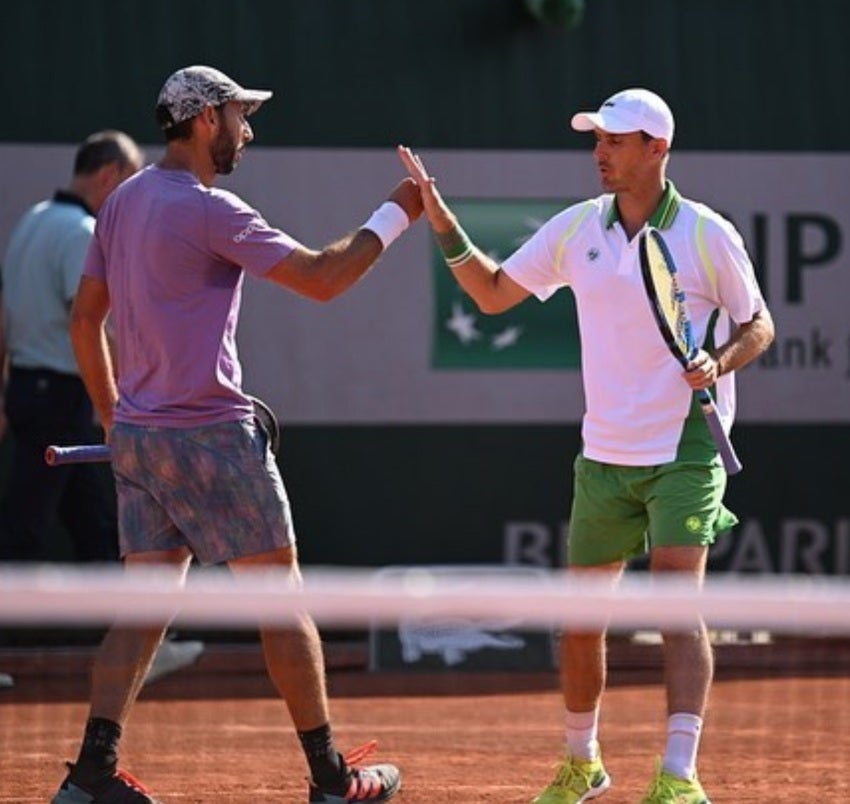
[(267, 422), (669, 306), (100, 453)]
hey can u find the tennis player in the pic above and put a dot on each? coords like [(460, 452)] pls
[(195, 476), (648, 476)]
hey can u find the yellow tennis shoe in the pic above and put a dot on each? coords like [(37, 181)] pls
[(576, 781), (669, 789)]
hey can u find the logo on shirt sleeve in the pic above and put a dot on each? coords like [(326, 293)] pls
[(246, 232)]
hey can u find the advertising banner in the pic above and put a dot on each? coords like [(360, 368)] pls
[(406, 347)]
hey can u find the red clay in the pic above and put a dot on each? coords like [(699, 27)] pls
[(216, 733)]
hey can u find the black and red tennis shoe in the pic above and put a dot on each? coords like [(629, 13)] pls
[(121, 788), (369, 783)]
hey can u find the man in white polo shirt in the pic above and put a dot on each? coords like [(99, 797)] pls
[(648, 477)]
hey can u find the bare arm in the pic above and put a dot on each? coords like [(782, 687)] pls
[(91, 347), (746, 344), (479, 275), (323, 275)]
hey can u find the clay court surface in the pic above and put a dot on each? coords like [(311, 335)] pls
[(215, 733)]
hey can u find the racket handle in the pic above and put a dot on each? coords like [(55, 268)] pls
[(731, 462), (87, 453)]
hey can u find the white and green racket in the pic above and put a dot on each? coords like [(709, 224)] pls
[(669, 306)]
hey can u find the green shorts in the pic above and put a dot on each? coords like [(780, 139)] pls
[(620, 512)]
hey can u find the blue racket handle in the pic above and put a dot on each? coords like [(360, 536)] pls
[(87, 453), (731, 462)]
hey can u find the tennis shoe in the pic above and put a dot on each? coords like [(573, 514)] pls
[(577, 780), (669, 789), (369, 783), (121, 788), (173, 655)]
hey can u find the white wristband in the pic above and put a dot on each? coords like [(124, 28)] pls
[(388, 221)]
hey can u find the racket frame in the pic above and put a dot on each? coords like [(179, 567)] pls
[(83, 453), (55, 455), (731, 462)]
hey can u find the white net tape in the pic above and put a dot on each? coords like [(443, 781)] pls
[(351, 598)]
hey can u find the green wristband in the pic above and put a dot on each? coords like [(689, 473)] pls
[(457, 251)]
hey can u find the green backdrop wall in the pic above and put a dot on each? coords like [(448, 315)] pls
[(740, 74)]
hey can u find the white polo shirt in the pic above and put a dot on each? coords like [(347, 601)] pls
[(636, 400)]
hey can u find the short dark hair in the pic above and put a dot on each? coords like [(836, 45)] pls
[(172, 130), (104, 148), (181, 130)]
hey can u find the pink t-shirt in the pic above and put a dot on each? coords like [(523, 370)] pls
[(173, 254)]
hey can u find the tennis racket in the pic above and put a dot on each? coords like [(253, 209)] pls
[(100, 453), (85, 453), (669, 306), (267, 422)]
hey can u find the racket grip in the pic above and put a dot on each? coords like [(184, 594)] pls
[(731, 463), (86, 453)]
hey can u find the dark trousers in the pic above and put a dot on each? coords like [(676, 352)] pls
[(45, 407)]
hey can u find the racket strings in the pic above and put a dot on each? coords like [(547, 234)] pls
[(671, 300)]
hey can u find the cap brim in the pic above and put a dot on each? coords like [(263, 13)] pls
[(588, 121), (253, 97)]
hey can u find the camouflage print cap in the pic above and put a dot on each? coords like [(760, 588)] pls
[(186, 92)]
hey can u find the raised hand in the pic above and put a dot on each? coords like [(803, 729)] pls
[(439, 215), (408, 196)]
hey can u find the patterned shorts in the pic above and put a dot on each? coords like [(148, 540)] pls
[(214, 489)]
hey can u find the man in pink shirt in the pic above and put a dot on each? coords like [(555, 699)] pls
[(195, 475)]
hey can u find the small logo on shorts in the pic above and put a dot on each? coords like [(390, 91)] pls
[(693, 524)]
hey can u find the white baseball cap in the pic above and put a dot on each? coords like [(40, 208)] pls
[(627, 111)]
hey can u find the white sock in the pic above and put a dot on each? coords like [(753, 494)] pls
[(582, 730), (683, 733)]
